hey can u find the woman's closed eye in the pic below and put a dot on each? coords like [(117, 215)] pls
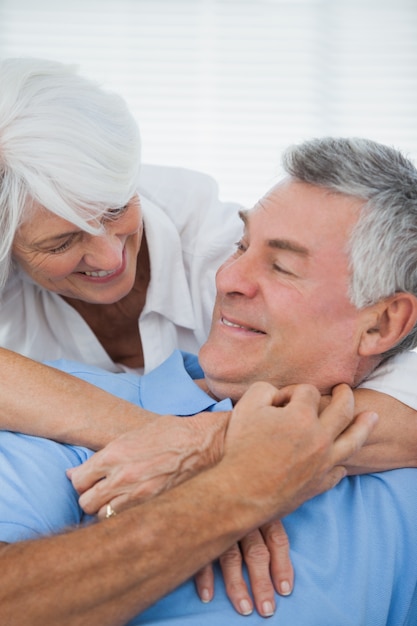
[(62, 246)]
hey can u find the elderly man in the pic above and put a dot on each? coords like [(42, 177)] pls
[(297, 302)]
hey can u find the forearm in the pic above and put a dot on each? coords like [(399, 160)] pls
[(39, 400), (393, 442), (107, 573)]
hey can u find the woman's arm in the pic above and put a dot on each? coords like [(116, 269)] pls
[(40, 400), (393, 443), (46, 402)]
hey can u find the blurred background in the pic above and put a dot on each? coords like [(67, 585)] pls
[(223, 86)]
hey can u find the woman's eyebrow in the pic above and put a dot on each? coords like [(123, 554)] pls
[(54, 238)]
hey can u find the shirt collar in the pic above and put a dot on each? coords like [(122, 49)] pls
[(170, 299), (170, 388)]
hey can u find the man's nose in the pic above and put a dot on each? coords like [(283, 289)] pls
[(238, 276)]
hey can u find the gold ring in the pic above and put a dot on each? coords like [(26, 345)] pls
[(110, 512)]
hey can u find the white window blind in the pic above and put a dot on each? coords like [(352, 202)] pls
[(225, 85)]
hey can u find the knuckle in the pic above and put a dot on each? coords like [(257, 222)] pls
[(87, 506), (235, 587), (310, 391), (279, 539), (322, 445), (257, 553), (259, 388), (231, 558)]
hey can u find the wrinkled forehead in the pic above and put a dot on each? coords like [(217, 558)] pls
[(302, 206)]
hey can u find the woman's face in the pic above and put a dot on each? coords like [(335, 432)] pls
[(66, 260)]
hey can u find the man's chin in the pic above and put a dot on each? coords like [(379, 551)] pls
[(221, 389)]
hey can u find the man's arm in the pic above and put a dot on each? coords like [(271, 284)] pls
[(106, 573)]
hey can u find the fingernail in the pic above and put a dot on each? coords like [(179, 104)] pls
[(284, 588), (267, 609), (245, 607), (205, 595)]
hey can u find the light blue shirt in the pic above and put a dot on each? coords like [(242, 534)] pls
[(354, 549)]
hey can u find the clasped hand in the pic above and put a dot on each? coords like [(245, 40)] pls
[(164, 453)]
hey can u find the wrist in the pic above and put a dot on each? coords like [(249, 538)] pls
[(209, 433)]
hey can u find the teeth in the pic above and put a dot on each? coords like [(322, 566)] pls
[(98, 274), (227, 323), (232, 325)]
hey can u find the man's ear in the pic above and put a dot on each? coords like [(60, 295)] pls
[(387, 323)]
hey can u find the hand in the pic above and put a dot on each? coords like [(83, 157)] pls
[(144, 462), (273, 430), (266, 554)]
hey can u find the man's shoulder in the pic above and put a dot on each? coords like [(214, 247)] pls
[(36, 496)]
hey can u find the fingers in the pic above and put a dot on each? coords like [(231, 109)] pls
[(204, 582), (332, 478), (353, 438), (339, 413), (86, 475), (119, 503), (98, 495), (261, 394), (236, 588), (257, 558), (282, 572), (123, 490)]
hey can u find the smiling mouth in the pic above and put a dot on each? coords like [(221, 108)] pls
[(100, 273), (233, 325)]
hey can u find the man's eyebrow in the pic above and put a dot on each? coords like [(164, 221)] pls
[(243, 214), (287, 244), (280, 244)]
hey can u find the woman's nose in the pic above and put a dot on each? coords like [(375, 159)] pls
[(104, 251)]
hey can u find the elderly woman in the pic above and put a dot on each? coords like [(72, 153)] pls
[(106, 264), (99, 262), (98, 273)]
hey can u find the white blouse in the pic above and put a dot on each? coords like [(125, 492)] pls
[(189, 234)]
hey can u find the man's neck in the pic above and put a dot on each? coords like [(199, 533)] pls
[(202, 383), (366, 367)]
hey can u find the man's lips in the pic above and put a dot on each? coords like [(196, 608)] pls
[(230, 324)]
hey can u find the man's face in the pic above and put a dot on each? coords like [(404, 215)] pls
[(282, 312)]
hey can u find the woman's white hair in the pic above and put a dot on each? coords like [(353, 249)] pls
[(65, 143), (383, 244)]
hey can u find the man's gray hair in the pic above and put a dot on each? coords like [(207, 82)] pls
[(65, 144), (383, 244)]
